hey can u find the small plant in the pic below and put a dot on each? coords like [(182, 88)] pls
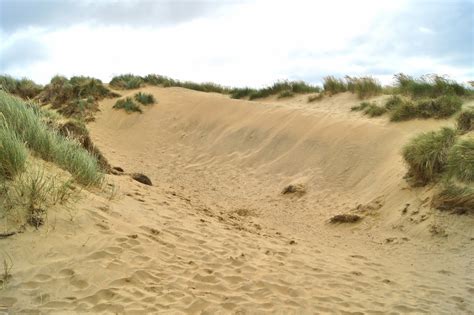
[(460, 163), (405, 111), (46, 143), (431, 86), (128, 104), (24, 88), (459, 199), (393, 102), (286, 94), (145, 98), (465, 120), (427, 154), (238, 93), (126, 82), (374, 111), (7, 268), (333, 85), (361, 106), (364, 87), (13, 153)]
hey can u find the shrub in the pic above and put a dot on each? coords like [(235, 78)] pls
[(128, 104), (465, 120), (333, 85), (361, 106), (31, 195), (46, 143), (126, 82), (459, 199), (76, 97), (446, 105), (427, 153), (441, 107), (145, 98), (393, 102), (24, 88), (155, 79), (460, 163), (364, 87), (286, 94), (282, 86), (238, 93), (374, 111), (428, 86), (13, 153)]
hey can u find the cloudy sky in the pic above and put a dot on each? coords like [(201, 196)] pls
[(237, 42)]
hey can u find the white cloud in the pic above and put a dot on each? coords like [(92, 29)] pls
[(252, 44)]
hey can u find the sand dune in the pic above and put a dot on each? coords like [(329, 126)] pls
[(215, 234)]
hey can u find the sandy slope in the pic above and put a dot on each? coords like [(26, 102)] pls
[(214, 234)]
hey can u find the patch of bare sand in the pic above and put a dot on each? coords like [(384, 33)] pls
[(216, 235)]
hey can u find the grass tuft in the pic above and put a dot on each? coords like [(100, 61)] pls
[(431, 86), (13, 153), (465, 120), (393, 102), (126, 82), (427, 154), (286, 94), (374, 110), (364, 87), (456, 198), (460, 163), (128, 104), (333, 85), (145, 98), (238, 93), (76, 97), (46, 143), (24, 88), (441, 107)]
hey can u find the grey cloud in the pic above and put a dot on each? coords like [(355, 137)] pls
[(17, 14), (22, 53)]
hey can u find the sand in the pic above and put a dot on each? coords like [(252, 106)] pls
[(215, 235)]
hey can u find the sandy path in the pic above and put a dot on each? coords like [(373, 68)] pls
[(214, 235)]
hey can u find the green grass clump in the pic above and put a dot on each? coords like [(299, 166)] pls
[(460, 163), (13, 153), (76, 97), (286, 94), (284, 86), (374, 110), (370, 109), (333, 85), (427, 154), (456, 198), (128, 104), (364, 87), (393, 102), (465, 120), (24, 88), (46, 143), (238, 93), (441, 107), (145, 98), (361, 106), (126, 82), (431, 86)]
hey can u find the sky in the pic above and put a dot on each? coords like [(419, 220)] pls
[(237, 42)]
